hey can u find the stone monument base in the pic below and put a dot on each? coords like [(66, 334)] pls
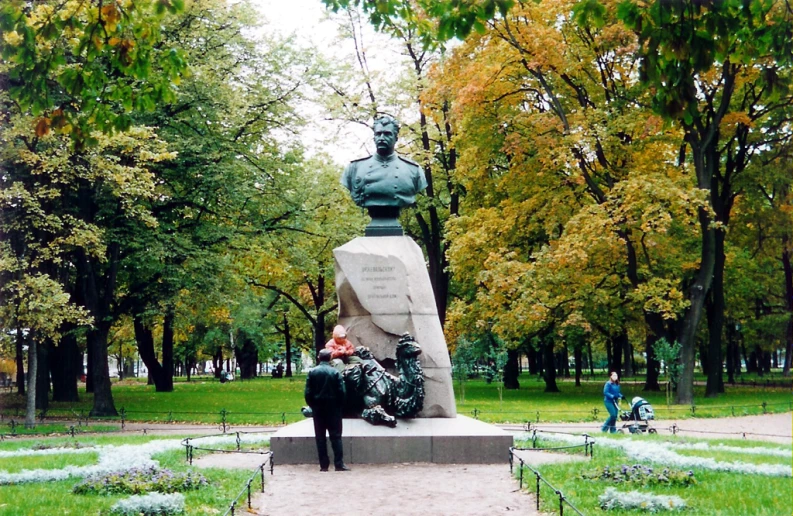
[(459, 440)]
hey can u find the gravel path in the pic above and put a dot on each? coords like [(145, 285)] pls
[(394, 489)]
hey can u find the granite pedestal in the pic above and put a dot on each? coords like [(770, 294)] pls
[(458, 440), (384, 290)]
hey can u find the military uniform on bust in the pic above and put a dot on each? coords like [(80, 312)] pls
[(384, 182)]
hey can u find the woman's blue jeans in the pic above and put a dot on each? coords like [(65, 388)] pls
[(611, 423)]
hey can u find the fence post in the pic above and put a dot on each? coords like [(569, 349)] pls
[(764, 408), (123, 417), (223, 419), (190, 454), (249, 495), (538, 416), (262, 471), (283, 418), (233, 505), (521, 474), (693, 410), (71, 430), (595, 412), (476, 413), (238, 441), (537, 473), (561, 503), (170, 416)]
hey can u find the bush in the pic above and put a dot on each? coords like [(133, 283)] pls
[(139, 481), (152, 504), (639, 474)]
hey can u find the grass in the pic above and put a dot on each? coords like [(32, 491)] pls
[(49, 498), (59, 461), (276, 401), (715, 493)]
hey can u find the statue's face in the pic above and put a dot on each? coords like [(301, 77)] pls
[(385, 139)]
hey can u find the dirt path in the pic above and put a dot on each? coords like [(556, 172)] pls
[(394, 489)]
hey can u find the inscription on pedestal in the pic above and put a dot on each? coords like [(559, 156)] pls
[(382, 280), (382, 285)]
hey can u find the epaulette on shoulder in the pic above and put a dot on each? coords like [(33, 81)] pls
[(360, 159), (408, 160)]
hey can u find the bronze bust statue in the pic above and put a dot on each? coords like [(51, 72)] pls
[(385, 182)]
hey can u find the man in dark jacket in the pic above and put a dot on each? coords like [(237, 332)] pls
[(325, 395)]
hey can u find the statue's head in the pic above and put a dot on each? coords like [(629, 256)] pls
[(386, 133), (407, 347), (364, 353)]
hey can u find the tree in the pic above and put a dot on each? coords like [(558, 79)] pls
[(568, 214), (294, 259), (716, 69), (79, 67)]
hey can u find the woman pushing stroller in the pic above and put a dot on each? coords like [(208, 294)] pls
[(611, 398)]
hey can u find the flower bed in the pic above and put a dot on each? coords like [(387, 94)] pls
[(139, 481), (634, 500), (639, 474), (152, 504)]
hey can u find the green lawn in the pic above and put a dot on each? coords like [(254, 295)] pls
[(715, 493), (274, 401), (51, 498)]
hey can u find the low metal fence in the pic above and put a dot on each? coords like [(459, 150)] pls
[(191, 447), (563, 500)]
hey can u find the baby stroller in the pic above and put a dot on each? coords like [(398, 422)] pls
[(638, 418)]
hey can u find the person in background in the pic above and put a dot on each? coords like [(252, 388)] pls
[(325, 395), (611, 398)]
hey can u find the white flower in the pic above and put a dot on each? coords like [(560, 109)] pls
[(151, 503), (113, 458), (613, 499), (662, 453)]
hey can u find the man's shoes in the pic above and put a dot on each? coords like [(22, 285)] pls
[(323, 469), (343, 467)]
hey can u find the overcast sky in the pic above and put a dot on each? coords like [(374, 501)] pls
[(307, 20)]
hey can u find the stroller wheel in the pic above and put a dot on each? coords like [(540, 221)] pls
[(652, 430), (633, 429)]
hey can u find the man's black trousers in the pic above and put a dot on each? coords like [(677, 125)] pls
[(328, 419)]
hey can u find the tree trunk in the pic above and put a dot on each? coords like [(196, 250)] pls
[(715, 314), (589, 357), (163, 382), (65, 367), (511, 370), (628, 356), (103, 396), (788, 268), (167, 350), (548, 365), (288, 351), (247, 357), (20, 358), (730, 355), (30, 405), (617, 343), (531, 354), (578, 357), (43, 376), (656, 331), (217, 361)]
